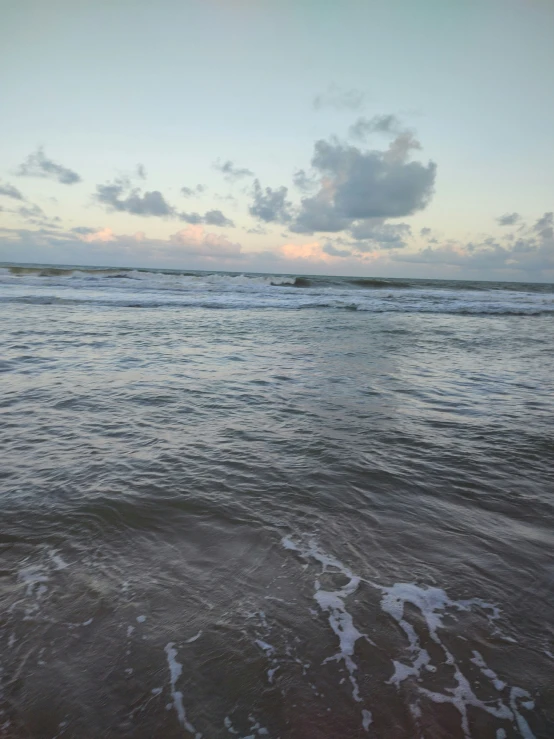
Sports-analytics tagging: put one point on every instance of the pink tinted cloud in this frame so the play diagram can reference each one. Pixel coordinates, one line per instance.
(310, 251)
(197, 241)
(191, 240)
(102, 234)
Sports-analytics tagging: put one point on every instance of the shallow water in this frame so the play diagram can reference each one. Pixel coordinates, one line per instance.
(241, 510)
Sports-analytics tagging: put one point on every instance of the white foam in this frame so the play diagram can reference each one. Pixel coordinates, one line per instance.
(433, 605)
(229, 726)
(267, 648)
(34, 578)
(332, 602)
(478, 660)
(60, 563)
(193, 638)
(522, 724)
(141, 619)
(175, 671)
(367, 719)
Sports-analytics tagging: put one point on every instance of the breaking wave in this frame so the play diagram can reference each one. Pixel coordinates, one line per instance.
(147, 288)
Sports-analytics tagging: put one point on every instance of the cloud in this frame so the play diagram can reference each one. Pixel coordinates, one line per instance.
(508, 219)
(96, 235)
(9, 191)
(34, 214)
(270, 206)
(401, 147)
(31, 211)
(192, 246)
(545, 226)
(119, 196)
(425, 232)
(310, 252)
(339, 98)
(334, 251)
(257, 230)
(188, 192)
(529, 256)
(194, 239)
(387, 123)
(216, 218)
(141, 172)
(359, 185)
(148, 204)
(38, 165)
(376, 233)
(211, 218)
(303, 181)
(83, 230)
(197, 241)
(403, 143)
(231, 172)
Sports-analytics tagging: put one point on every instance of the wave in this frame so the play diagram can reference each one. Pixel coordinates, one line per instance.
(175, 278)
(372, 284)
(246, 302)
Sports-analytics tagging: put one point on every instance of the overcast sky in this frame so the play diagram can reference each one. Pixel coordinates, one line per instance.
(394, 138)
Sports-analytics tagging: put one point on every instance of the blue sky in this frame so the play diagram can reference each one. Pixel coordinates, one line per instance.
(416, 126)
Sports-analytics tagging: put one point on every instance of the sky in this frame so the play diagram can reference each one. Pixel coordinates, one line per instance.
(386, 138)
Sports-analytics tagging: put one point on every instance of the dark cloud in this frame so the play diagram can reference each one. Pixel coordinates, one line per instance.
(119, 196)
(188, 192)
(38, 165)
(329, 248)
(339, 98)
(216, 218)
(83, 230)
(359, 185)
(31, 211)
(257, 230)
(115, 197)
(385, 235)
(363, 127)
(425, 231)
(508, 219)
(530, 256)
(141, 172)
(270, 205)
(303, 181)
(403, 142)
(192, 218)
(545, 226)
(402, 145)
(9, 191)
(210, 218)
(35, 215)
(231, 172)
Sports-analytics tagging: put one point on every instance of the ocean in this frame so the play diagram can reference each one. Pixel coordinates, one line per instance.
(275, 506)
